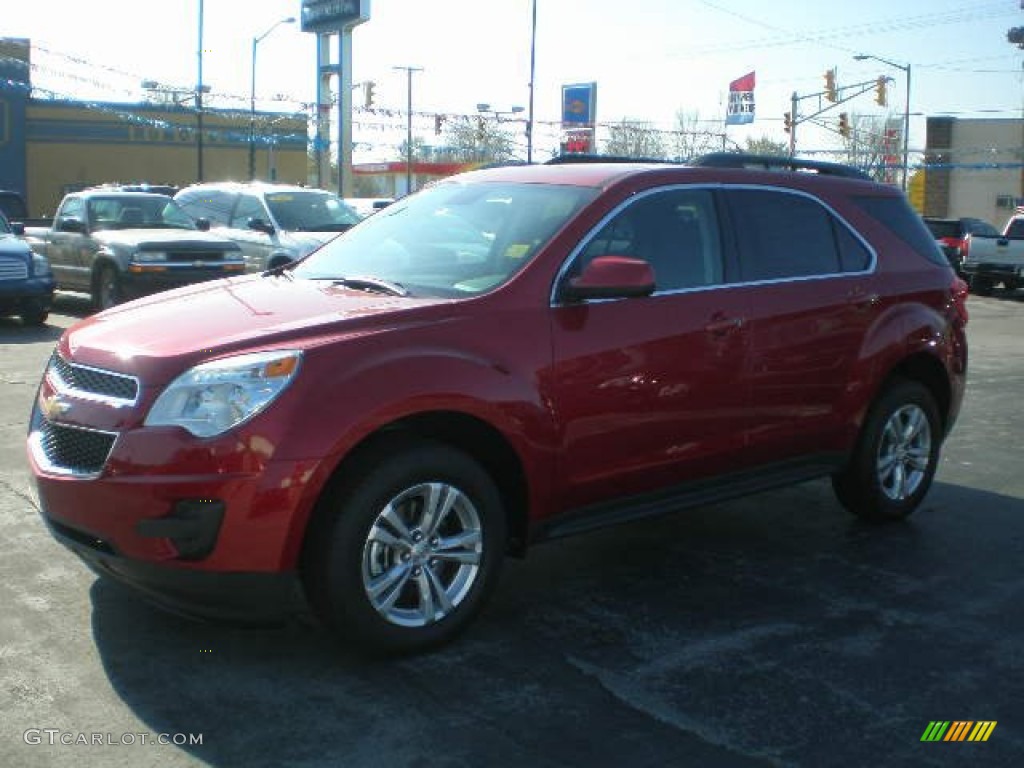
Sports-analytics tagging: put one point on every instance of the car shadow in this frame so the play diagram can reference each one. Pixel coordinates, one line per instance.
(677, 635)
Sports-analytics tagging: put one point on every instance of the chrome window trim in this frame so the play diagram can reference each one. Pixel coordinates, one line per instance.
(63, 388)
(586, 239)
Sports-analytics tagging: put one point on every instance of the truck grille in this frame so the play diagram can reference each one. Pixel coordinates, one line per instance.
(13, 270)
(92, 381)
(75, 450)
(190, 256)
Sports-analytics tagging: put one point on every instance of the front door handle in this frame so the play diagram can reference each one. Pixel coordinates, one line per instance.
(720, 326)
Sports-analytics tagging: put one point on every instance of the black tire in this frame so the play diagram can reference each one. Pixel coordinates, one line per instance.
(34, 314)
(889, 473)
(342, 562)
(106, 288)
(981, 285)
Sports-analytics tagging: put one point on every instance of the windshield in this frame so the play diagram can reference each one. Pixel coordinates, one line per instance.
(452, 239)
(137, 212)
(310, 211)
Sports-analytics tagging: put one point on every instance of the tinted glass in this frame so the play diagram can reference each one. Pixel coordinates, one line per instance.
(310, 211)
(782, 235)
(979, 227)
(943, 228)
(213, 205)
(1015, 229)
(141, 212)
(853, 255)
(895, 213)
(675, 231)
(452, 239)
(249, 207)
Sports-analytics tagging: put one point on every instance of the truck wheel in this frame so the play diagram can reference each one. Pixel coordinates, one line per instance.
(981, 285)
(34, 314)
(402, 558)
(1011, 285)
(106, 291)
(894, 461)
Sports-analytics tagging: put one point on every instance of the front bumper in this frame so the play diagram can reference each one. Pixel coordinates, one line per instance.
(236, 596)
(144, 280)
(19, 295)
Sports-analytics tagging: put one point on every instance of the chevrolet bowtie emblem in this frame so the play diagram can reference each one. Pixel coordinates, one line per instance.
(52, 406)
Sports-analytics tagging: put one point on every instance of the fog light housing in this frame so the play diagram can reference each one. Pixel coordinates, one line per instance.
(192, 527)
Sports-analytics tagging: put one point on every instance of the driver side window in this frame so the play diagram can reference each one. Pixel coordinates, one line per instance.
(248, 208)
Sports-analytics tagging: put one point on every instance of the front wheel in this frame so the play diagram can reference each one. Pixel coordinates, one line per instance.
(107, 291)
(403, 558)
(34, 314)
(892, 466)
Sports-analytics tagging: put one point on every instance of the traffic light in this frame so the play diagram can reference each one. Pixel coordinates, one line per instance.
(368, 85)
(830, 84)
(844, 124)
(787, 122)
(880, 95)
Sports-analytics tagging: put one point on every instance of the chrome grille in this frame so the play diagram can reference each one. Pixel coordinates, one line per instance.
(75, 450)
(13, 270)
(92, 381)
(191, 256)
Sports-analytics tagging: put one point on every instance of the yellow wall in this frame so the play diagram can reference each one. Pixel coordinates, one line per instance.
(75, 145)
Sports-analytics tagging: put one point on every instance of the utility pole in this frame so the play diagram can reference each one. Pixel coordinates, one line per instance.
(199, 101)
(533, 70)
(408, 126)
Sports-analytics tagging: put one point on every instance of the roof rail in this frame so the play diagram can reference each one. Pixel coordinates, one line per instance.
(577, 157)
(778, 163)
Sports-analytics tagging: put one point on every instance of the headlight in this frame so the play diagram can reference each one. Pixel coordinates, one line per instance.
(40, 265)
(213, 397)
(148, 256)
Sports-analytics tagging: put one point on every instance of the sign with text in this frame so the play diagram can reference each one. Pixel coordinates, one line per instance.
(579, 105)
(741, 101)
(326, 16)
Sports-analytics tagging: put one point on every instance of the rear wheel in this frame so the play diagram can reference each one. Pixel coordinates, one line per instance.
(981, 285)
(896, 455)
(404, 557)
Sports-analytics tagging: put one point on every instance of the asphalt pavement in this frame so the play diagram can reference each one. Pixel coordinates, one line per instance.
(772, 631)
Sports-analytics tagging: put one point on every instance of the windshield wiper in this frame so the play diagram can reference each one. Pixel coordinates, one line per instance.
(281, 270)
(371, 283)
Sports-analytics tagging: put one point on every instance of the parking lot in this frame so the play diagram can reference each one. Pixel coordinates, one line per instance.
(771, 631)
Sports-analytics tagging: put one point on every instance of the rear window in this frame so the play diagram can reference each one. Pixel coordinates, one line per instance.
(941, 228)
(13, 206)
(899, 218)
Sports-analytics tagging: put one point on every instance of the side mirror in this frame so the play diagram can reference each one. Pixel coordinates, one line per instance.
(260, 226)
(203, 224)
(18, 227)
(71, 224)
(611, 277)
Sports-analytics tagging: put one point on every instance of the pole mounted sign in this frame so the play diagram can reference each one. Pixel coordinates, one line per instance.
(327, 16)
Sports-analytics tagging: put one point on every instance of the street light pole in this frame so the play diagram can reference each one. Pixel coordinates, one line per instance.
(905, 68)
(408, 127)
(252, 97)
(533, 69)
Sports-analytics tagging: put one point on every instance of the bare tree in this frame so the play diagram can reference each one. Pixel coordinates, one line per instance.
(766, 146)
(689, 140)
(476, 140)
(635, 138)
(875, 146)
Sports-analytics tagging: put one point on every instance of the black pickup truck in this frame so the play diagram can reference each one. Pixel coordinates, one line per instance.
(118, 245)
(26, 282)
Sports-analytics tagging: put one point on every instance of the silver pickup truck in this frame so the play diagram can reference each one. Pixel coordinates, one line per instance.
(120, 245)
(995, 259)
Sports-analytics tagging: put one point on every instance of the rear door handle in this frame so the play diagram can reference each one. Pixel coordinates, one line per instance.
(863, 300)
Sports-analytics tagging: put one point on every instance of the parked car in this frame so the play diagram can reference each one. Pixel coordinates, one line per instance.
(120, 245)
(273, 223)
(26, 282)
(507, 356)
(953, 236)
(996, 257)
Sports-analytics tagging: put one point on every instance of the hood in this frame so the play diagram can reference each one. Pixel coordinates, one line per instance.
(159, 335)
(181, 238)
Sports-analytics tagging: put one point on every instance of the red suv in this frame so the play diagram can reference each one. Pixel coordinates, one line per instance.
(510, 355)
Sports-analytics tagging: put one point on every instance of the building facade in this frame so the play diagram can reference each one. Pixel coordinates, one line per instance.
(50, 147)
(974, 167)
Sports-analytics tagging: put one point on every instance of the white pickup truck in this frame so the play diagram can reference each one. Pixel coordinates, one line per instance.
(993, 259)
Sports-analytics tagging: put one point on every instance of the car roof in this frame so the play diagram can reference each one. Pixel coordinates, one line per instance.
(108, 192)
(259, 187)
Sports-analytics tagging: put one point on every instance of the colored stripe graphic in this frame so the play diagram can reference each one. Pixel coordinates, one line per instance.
(982, 730)
(935, 731)
(959, 730)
